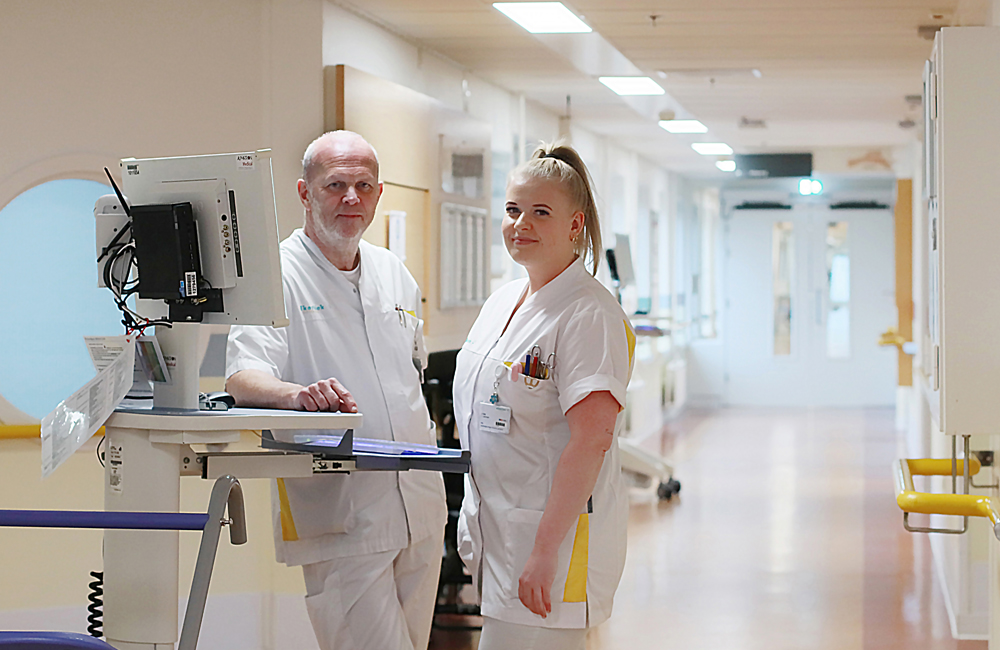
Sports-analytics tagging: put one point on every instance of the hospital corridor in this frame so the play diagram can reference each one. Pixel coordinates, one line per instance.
(793, 548)
(473, 325)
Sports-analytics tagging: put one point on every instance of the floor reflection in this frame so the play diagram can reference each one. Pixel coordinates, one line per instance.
(785, 535)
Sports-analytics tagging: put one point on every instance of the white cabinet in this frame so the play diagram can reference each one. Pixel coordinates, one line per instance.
(962, 189)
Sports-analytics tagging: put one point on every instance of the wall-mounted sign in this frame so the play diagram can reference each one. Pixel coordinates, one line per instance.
(773, 165)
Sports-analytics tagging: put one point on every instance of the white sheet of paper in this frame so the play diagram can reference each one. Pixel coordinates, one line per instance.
(104, 350)
(80, 415)
(397, 233)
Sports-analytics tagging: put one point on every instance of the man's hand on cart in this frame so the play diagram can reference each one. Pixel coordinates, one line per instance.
(324, 395)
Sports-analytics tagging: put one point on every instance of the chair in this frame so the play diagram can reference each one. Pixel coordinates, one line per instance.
(438, 379)
(226, 492)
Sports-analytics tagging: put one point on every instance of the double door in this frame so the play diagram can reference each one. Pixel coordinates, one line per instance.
(807, 292)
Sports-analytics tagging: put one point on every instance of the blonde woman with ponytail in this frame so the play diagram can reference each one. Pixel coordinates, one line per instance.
(539, 401)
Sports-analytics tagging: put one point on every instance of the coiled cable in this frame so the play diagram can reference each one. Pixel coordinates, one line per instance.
(96, 618)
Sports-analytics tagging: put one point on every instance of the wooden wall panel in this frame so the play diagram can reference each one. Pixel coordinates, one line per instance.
(904, 273)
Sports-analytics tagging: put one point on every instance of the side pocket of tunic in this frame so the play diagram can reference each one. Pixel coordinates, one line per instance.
(522, 527)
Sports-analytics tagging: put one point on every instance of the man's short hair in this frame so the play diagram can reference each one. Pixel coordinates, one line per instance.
(308, 158)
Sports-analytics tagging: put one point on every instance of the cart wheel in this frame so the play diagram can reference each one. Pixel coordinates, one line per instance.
(668, 489)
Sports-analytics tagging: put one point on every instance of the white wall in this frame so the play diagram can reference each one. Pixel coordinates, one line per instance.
(85, 84)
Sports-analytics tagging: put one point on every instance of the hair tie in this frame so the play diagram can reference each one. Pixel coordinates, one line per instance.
(549, 155)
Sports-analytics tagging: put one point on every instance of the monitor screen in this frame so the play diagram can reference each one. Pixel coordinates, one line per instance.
(623, 260)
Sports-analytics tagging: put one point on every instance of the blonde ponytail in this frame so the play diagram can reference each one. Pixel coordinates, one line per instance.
(561, 163)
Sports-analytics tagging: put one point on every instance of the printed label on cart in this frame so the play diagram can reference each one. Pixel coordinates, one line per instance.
(494, 418)
(114, 463)
(77, 418)
(244, 161)
(190, 284)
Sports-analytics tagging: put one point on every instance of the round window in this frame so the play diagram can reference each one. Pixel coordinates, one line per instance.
(49, 298)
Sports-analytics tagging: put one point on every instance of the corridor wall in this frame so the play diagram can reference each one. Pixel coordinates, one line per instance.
(86, 84)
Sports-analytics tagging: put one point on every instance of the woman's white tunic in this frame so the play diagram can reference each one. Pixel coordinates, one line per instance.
(575, 318)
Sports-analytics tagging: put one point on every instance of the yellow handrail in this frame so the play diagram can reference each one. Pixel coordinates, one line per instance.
(940, 466)
(27, 431)
(16, 431)
(891, 337)
(962, 505)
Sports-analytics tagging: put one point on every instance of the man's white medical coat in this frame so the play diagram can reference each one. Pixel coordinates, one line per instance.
(366, 337)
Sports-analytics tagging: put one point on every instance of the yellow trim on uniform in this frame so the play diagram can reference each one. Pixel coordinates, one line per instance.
(576, 578)
(288, 532)
(630, 335)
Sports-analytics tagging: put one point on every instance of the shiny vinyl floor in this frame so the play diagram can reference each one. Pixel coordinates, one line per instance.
(785, 536)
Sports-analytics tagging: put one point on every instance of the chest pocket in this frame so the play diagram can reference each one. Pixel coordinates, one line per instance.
(534, 403)
(397, 331)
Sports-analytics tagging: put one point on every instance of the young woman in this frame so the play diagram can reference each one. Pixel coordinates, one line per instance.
(539, 401)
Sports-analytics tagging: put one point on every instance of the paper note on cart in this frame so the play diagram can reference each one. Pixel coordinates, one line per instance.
(80, 415)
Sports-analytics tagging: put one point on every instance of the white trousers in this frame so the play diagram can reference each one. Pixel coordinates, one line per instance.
(501, 635)
(381, 601)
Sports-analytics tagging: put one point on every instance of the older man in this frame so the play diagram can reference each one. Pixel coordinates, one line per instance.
(369, 543)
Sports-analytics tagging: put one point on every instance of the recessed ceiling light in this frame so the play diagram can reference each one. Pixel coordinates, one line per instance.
(726, 165)
(712, 148)
(683, 126)
(543, 17)
(632, 85)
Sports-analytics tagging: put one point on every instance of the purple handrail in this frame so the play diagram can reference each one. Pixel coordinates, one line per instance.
(106, 520)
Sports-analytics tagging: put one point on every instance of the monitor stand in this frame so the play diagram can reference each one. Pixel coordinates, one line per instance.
(180, 350)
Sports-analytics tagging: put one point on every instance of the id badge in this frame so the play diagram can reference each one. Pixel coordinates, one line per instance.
(494, 418)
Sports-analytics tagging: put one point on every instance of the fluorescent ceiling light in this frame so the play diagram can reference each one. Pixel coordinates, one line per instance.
(712, 148)
(632, 85)
(726, 165)
(543, 17)
(683, 126)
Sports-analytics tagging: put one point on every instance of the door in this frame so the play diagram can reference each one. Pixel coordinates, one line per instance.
(808, 291)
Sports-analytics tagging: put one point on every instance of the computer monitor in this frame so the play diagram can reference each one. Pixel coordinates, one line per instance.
(620, 261)
(206, 236)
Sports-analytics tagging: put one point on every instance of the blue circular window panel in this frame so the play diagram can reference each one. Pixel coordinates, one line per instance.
(49, 298)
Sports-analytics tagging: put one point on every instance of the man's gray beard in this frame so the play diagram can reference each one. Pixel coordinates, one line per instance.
(328, 236)
(331, 239)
